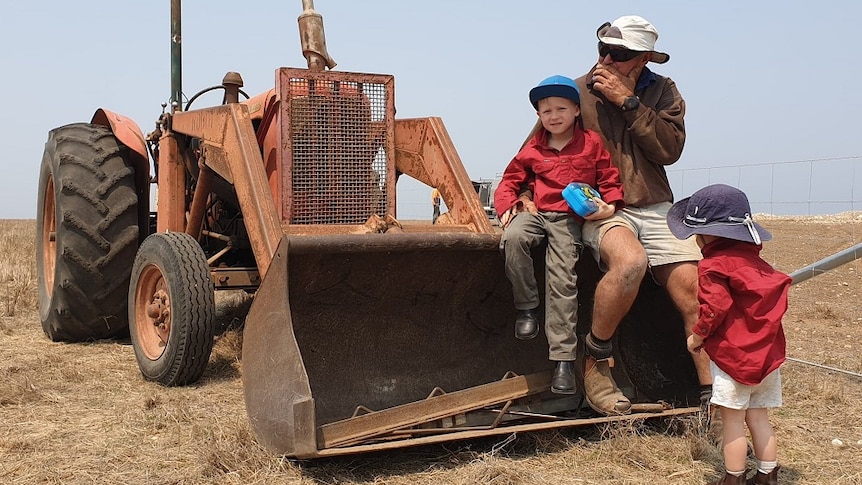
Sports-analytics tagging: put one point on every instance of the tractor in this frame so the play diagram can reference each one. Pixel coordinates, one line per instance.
(360, 331)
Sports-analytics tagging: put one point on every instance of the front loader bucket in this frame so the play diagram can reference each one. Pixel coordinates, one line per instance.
(387, 338)
(376, 321)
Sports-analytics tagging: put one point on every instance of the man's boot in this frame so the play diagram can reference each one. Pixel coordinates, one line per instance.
(761, 478)
(729, 479)
(526, 324)
(600, 389)
(564, 378)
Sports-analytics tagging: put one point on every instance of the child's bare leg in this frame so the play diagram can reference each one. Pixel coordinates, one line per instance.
(762, 435)
(735, 444)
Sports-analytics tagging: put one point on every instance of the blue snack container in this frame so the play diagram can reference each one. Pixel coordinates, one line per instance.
(580, 197)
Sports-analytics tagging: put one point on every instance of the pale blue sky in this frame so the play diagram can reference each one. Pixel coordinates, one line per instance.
(765, 81)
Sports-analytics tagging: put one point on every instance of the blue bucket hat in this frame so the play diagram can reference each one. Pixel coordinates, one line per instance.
(555, 86)
(716, 210)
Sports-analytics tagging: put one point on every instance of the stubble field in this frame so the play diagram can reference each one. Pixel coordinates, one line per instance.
(81, 413)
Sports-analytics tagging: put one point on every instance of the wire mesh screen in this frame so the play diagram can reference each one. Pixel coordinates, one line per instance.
(338, 146)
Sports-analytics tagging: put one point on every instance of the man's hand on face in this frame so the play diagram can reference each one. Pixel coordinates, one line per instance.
(615, 86)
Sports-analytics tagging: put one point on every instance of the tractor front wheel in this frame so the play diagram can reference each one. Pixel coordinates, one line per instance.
(171, 309)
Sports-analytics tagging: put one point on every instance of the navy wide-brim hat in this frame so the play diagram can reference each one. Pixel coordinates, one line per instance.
(555, 86)
(716, 210)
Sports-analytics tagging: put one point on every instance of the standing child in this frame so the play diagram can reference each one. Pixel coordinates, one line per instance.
(435, 203)
(559, 154)
(742, 301)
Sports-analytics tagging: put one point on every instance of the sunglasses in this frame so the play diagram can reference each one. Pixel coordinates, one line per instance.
(618, 55)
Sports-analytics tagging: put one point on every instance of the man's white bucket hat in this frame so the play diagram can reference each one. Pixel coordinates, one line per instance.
(634, 33)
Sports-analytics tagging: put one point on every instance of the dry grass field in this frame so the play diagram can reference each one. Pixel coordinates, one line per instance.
(81, 413)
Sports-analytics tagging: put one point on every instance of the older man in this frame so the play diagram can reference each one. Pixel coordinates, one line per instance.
(639, 115)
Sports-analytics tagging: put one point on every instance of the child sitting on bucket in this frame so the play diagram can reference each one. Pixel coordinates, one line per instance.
(742, 300)
(561, 153)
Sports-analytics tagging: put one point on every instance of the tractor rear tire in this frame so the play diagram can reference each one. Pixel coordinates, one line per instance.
(171, 309)
(87, 233)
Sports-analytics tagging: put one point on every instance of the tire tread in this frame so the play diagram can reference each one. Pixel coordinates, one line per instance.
(97, 233)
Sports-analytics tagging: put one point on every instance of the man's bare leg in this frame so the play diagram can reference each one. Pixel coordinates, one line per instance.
(680, 281)
(615, 293)
(617, 289)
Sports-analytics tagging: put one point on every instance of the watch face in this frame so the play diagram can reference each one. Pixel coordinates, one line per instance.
(631, 103)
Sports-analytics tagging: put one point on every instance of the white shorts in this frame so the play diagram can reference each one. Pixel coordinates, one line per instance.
(731, 394)
(649, 225)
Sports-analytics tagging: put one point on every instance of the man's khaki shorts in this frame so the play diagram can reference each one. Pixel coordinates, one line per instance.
(649, 225)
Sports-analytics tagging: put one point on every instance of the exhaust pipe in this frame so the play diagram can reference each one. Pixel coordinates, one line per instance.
(312, 38)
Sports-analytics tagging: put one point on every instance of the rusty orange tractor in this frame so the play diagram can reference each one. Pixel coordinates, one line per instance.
(361, 332)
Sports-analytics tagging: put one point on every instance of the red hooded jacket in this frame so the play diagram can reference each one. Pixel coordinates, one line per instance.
(742, 300)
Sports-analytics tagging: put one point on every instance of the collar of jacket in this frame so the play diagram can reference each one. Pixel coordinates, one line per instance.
(726, 244)
(646, 78)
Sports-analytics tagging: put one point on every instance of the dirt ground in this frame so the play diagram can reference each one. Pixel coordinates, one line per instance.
(81, 413)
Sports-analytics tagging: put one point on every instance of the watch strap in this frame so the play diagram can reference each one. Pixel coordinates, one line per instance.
(631, 103)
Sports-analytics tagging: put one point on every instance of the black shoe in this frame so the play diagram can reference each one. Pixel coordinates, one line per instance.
(564, 378)
(526, 324)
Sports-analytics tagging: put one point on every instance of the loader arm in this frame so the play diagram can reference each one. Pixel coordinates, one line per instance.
(229, 148)
(425, 152)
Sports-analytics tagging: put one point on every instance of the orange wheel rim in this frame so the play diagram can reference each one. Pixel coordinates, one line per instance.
(49, 237)
(152, 312)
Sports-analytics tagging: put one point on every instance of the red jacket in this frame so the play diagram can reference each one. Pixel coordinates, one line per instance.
(584, 159)
(742, 300)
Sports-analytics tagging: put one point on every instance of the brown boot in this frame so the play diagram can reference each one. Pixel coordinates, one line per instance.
(729, 479)
(761, 478)
(600, 389)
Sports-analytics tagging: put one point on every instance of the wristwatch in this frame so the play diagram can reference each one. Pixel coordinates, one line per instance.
(630, 104)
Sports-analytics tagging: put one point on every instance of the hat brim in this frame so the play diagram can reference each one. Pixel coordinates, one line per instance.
(677, 225)
(656, 56)
(553, 90)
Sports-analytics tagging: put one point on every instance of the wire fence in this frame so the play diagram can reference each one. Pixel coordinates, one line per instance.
(802, 187)
(814, 208)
